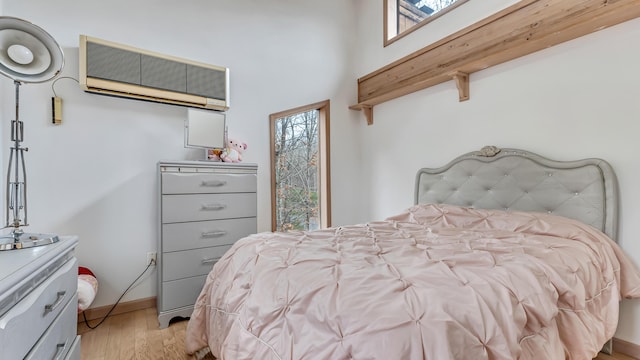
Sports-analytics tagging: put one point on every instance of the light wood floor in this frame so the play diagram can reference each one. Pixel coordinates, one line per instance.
(135, 335)
(615, 356)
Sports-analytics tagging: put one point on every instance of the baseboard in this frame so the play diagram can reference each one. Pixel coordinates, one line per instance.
(121, 308)
(626, 348)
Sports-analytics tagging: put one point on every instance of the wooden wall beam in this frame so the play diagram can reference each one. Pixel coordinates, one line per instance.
(523, 28)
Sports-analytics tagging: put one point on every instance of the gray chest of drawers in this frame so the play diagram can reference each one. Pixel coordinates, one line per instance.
(38, 302)
(204, 208)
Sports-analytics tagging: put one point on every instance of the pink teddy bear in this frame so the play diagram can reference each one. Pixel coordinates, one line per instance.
(233, 151)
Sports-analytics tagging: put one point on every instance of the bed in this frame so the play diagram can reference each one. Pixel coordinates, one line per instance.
(504, 255)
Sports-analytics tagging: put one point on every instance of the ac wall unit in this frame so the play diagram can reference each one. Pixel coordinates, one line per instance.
(114, 69)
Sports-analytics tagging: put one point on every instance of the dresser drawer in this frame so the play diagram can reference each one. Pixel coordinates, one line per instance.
(74, 352)
(36, 311)
(198, 183)
(181, 293)
(188, 263)
(201, 234)
(59, 338)
(197, 207)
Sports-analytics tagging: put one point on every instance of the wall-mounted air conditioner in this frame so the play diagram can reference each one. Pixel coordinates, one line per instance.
(114, 69)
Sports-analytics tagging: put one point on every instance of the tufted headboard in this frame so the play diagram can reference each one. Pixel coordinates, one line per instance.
(512, 179)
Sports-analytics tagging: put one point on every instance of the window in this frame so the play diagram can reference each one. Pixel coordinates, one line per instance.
(404, 16)
(300, 181)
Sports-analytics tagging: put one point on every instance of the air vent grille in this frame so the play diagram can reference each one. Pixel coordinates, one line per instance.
(108, 63)
(207, 83)
(115, 65)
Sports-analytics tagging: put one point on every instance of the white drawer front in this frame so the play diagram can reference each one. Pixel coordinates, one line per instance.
(196, 207)
(182, 264)
(58, 340)
(34, 313)
(180, 293)
(201, 234)
(185, 183)
(74, 352)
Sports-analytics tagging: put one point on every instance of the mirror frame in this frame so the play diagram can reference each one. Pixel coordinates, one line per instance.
(200, 122)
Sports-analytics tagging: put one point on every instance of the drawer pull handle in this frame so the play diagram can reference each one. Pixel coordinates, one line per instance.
(213, 234)
(209, 260)
(60, 350)
(214, 183)
(209, 207)
(50, 307)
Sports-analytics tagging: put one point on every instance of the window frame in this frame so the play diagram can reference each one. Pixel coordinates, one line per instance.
(324, 168)
(390, 20)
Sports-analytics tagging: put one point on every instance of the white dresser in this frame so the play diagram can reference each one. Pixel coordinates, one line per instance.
(205, 207)
(39, 302)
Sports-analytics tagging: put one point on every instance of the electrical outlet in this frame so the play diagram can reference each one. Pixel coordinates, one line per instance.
(151, 258)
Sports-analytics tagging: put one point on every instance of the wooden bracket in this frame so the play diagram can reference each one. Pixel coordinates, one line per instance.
(462, 82)
(366, 109)
(368, 113)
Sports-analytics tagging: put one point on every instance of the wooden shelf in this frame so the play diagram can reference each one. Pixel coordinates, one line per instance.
(523, 28)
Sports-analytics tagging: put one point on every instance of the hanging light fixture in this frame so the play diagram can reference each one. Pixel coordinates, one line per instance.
(28, 54)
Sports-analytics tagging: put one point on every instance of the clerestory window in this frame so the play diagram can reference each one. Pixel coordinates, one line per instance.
(401, 17)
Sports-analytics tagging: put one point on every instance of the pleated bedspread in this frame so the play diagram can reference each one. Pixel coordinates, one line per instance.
(434, 282)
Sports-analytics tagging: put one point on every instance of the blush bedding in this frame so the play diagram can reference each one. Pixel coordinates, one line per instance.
(434, 282)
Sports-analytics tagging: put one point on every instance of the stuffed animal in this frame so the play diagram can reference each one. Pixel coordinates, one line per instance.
(214, 154)
(87, 288)
(233, 151)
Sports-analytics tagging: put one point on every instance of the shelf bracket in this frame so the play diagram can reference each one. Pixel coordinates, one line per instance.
(366, 109)
(368, 113)
(462, 82)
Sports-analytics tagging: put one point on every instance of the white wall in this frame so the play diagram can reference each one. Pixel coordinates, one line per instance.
(575, 100)
(95, 175)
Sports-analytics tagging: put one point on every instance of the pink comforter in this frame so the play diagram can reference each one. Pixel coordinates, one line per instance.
(435, 282)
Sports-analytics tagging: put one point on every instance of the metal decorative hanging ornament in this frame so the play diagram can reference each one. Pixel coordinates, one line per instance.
(28, 54)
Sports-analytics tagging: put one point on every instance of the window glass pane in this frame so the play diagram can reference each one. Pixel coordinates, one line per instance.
(405, 15)
(296, 172)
